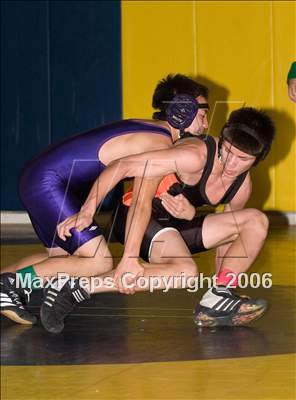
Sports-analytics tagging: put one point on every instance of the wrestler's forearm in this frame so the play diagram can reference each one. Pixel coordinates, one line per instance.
(105, 182)
(139, 215)
(114, 173)
(137, 222)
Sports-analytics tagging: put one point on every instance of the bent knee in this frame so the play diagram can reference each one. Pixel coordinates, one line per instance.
(97, 255)
(257, 221)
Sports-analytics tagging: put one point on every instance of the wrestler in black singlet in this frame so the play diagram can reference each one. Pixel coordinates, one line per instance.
(191, 231)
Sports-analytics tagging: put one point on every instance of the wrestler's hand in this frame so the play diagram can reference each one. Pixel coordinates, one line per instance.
(79, 221)
(292, 89)
(178, 206)
(126, 273)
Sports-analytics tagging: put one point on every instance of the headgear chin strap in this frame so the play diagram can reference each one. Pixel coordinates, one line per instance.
(249, 131)
(182, 110)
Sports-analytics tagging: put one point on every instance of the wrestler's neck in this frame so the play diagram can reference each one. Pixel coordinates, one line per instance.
(219, 167)
(175, 133)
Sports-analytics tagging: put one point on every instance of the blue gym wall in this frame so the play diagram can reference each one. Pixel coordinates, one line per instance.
(60, 74)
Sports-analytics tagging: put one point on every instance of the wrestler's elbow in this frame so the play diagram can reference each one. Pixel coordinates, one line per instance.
(118, 169)
(134, 170)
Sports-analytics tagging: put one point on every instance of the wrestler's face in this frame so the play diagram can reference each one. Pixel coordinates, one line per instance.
(200, 122)
(235, 161)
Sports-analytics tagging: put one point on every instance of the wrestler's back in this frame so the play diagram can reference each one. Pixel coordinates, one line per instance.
(77, 158)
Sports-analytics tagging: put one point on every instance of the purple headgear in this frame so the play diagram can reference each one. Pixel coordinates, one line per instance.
(182, 110)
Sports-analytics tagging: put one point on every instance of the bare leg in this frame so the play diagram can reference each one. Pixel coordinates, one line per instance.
(170, 258)
(164, 263)
(240, 234)
(90, 259)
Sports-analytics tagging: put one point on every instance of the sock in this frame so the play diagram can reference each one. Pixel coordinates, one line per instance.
(227, 277)
(28, 278)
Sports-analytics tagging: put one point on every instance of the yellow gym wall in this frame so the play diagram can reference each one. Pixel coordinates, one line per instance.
(241, 50)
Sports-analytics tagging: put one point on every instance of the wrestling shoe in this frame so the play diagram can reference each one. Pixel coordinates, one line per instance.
(60, 299)
(11, 305)
(220, 306)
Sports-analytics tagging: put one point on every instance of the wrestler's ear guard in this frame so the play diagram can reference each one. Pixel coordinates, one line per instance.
(182, 110)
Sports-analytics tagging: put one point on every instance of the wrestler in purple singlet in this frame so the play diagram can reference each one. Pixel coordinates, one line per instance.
(54, 185)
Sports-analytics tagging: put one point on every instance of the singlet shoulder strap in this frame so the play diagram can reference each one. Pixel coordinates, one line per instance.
(233, 189)
(211, 151)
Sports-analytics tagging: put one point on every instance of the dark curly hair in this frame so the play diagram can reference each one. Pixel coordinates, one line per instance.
(168, 87)
(250, 130)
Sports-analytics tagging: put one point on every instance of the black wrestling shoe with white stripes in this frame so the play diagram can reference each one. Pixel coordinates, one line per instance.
(220, 306)
(60, 299)
(11, 304)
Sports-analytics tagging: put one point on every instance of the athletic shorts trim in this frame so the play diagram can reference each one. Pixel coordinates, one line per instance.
(190, 231)
(156, 236)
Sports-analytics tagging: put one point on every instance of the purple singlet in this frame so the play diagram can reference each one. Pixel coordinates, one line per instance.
(54, 185)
